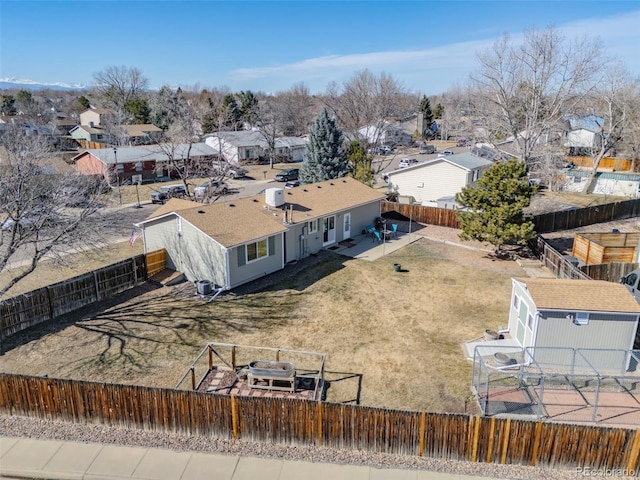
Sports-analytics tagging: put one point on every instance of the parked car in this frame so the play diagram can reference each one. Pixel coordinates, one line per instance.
(287, 175)
(427, 149)
(407, 162)
(208, 189)
(384, 149)
(461, 143)
(229, 170)
(36, 219)
(169, 191)
(292, 184)
(447, 152)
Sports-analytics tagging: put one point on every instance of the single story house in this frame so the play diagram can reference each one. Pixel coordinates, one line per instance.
(607, 183)
(441, 177)
(119, 165)
(234, 242)
(574, 314)
(250, 145)
(97, 126)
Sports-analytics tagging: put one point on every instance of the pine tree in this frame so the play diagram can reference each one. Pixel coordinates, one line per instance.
(359, 163)
(324, 158)
(494, 207)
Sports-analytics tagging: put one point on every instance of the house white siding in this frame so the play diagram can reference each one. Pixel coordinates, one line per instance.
(522, 316)
(428, 183)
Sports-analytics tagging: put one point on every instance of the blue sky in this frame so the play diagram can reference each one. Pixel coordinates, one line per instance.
(271, 45)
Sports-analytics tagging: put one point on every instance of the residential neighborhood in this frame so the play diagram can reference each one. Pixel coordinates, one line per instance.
(365, 274)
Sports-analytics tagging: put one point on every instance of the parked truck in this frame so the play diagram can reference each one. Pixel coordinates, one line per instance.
(631, 280)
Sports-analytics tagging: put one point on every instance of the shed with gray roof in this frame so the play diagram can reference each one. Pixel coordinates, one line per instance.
(554, 314)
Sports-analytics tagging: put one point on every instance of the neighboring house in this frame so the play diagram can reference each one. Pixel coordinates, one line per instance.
(571, 314)
(607, 183)
(434, 179)
(97, 126)
(234, 242)
(152, 162)
(250, 145)
(385, 133)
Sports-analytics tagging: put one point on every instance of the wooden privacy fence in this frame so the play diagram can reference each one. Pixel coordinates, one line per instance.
(555, 261)
(23, 311)
(300, 422)
(418, 213)
(611, 272)
(544, 223)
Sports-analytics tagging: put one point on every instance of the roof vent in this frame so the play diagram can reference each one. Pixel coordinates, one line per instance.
(200, 211)
(330, 183)
(255, 200)
(318, 186)
(305, 190)
(289, 193)
(232, 204)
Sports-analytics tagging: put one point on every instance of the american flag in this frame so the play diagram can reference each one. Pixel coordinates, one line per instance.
(134, 236)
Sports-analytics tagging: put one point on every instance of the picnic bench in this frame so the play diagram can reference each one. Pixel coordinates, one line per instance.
(275, 375)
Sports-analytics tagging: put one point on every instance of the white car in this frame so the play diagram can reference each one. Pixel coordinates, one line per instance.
(407, 162)
(209, 189)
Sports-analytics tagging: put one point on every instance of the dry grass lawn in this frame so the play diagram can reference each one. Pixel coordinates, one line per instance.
(401, 331)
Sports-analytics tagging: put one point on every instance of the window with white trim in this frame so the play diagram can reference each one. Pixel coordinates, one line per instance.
(313, 226)
(581, 318)
(257, 250)
(530, 321)
(138, 166)
(516, 303)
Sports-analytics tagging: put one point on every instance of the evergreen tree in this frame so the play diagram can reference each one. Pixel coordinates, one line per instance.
(83, 103)
(7, 105)
(359, 163)
(139, 111)
(324, 158)
(427, 114)
(494, 206)
(248, 106)
(230, 112)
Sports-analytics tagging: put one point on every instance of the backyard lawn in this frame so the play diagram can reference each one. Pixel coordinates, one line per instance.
(400, 332)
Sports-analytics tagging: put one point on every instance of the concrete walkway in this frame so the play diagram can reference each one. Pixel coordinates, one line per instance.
(52, 459)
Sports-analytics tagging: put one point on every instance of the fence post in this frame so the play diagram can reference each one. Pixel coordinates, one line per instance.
(95, 280)
(210, 358)
(492, 429)
(476, 431)
(536, 443)
(633, 454)
(320, 423)
(505, 441)
(234, 417)
(135, 271)
(233, 357)
(423, 423)
(193, 378)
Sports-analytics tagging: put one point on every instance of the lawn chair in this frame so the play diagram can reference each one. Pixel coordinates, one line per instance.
(377, 236)
(370, 229)
(394, 230)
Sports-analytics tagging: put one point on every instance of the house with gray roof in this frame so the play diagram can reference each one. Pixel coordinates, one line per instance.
(119, 165)
(251, 145)
(442, 177)
(550, 315)
(234, 242)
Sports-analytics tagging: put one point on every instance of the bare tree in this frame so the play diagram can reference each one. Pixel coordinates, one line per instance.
(522, 91)
(614, 103)
(297, 106)
(119, 85)
(369, 101)
(41, 213)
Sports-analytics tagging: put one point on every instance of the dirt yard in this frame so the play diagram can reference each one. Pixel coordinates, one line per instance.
(399, 332)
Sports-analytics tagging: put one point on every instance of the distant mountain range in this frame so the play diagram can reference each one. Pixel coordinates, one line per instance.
(21, 84)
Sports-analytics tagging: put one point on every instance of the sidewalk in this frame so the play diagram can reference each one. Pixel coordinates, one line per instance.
(52, 459)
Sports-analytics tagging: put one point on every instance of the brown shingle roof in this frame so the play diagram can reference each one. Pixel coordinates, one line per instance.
(580, 295)
(242, 220)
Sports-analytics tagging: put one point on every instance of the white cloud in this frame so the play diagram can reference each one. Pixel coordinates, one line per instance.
(441, 66)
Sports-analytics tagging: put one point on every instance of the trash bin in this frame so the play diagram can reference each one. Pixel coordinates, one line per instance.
(203, 287)
(396, 267)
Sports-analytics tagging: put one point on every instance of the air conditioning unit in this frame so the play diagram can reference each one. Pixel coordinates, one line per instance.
(274, 197)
